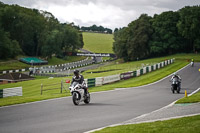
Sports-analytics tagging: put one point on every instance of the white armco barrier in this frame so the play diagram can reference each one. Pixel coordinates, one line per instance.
(17, 91)
(138, 73)
(86, 82)
(110, 79)
(99, 81)
(154, 67)
(162, 64)
(149, 68)
(144, 70)
(165, 62)
(158, 65)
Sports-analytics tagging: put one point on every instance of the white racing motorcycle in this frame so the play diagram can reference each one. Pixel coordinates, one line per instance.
(78, 94)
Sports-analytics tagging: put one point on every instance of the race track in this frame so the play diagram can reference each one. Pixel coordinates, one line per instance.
(106, 108)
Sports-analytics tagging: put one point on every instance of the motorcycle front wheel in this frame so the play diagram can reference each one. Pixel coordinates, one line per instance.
(172, 88)
(75, 98)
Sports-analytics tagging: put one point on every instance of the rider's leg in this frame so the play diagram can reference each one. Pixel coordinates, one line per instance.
(179, 85)
(85, 90)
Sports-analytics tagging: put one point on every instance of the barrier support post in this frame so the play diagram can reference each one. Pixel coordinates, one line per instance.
(41, 88)
(61, 86)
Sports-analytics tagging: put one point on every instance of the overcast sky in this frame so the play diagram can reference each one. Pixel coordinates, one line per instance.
(108, 13)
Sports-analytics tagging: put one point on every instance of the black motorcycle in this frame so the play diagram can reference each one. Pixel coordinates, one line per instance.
(175, 85)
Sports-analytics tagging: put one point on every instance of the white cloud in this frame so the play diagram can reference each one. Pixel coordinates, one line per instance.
(111, 14)
(89, 14)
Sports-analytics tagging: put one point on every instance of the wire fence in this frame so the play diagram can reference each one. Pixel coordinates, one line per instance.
(62, 86)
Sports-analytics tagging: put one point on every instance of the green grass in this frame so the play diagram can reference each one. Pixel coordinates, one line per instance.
(31, 89)
(56, 61)
(181, 125)
(118, 67)
(15, 64)
(12, 65)
(144, 79)
(191, 99)
(98, 42)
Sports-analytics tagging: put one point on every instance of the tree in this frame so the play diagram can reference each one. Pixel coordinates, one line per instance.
(166, 39)
(8, 48)
(52, 44)
(132, 42)
(116, 29)
(72, 40)
(188, 25)
(120, 43)
(140, 32)
(95, 28)
(36, 32)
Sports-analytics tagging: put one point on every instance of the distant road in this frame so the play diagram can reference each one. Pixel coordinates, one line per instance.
(106, 108)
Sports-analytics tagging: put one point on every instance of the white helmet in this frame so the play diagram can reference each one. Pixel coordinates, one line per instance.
(175, 74)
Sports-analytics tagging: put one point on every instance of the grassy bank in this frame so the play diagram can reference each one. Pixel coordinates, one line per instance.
(56, 61)
(181, 125)
(31, 89)
(118, 67)
(15, 64)
(144, 79)
(192, 99)
(98, 42)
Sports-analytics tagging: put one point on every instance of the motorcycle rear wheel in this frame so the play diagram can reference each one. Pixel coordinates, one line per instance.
(172, 89)
(178, 90)
(87, 100)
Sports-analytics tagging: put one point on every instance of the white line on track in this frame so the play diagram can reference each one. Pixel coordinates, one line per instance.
(141, 116)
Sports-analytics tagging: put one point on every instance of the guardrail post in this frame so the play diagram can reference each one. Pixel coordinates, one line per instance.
(1, 93)
(61, 86)
(41, 88)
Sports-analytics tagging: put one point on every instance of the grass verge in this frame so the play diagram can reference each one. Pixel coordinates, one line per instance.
(98, 42)
(181, 125)
(31, 89)
(56, 61)
(144, 79)
(15, 64)
(191, 99)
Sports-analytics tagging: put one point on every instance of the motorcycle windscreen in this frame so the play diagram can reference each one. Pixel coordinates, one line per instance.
(74, 84)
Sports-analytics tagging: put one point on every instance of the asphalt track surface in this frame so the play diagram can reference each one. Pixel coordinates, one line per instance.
(106, 108)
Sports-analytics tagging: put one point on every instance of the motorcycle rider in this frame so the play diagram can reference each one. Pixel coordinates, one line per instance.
(192, 62)
(175, 75)
(80, 79)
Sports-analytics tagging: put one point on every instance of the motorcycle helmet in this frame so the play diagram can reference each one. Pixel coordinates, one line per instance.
(76, 72)
(175, 74)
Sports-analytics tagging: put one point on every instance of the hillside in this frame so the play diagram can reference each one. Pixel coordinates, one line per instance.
(98, 42)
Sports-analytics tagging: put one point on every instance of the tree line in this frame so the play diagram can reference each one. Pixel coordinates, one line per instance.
(95, 28)
(164, 34)
(34, 32)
